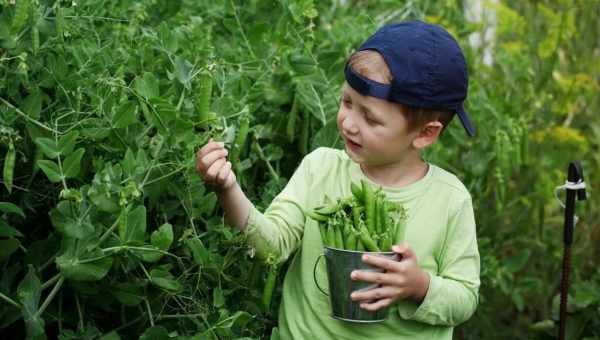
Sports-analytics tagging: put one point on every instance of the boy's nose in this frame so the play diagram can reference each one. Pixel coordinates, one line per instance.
(349, 125)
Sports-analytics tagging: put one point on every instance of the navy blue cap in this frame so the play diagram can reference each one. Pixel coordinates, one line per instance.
(428, 69)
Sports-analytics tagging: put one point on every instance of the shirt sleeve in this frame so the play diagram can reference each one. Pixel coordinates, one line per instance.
(278, 231)
(452, 296)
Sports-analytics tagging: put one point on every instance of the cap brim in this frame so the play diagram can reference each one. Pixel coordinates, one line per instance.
(466, 121)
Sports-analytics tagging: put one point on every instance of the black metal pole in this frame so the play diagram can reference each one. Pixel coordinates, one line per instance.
(575, 175)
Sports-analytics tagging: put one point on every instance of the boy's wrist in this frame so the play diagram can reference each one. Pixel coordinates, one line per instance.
(422, 287)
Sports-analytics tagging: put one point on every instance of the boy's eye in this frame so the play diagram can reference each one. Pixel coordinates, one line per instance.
(370, 120)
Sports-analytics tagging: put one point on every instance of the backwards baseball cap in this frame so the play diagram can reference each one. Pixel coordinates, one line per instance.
(427, 66)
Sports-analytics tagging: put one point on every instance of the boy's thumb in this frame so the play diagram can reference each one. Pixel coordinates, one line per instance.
(403, 250)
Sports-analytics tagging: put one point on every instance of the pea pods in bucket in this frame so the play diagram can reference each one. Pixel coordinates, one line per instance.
(367, 222)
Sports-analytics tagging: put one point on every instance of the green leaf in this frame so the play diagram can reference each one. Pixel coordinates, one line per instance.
(32, 105)
(218, 297)
(72, 164)
(73, 269)
(147, 85)
(66, 143)
(183, 71)
(200, 255)
(129, 294)
(29, 293)
(8, 207)
(48, 147)
(111, 336)
(132, 227)
(155, 333)
(70, 221)
(7, 247)
(165, 110)
(239, 318)
(161, 239)
(164, 279)
(518, 261)
(50, 169)
(126, 115)
(8, 231)
(128, 163)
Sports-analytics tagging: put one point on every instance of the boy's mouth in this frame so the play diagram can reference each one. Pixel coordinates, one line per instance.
(352, 143)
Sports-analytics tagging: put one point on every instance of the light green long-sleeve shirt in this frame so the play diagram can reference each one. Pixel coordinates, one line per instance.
(440, 229)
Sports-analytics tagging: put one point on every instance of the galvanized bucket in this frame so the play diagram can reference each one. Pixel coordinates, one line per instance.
(340, 263)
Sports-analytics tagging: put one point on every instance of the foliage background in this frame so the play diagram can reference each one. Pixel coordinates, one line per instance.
(106, 231)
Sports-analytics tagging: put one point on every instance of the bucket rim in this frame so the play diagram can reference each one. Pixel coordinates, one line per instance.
(360, 252)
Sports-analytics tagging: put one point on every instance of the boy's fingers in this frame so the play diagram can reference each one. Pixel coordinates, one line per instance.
(230, 180)
(374, 277)
(403, 250)
(207, 161)
(213, 170)
(224, 173)
(377, 305)
(381, 262)
(374, 294)
(210, 146)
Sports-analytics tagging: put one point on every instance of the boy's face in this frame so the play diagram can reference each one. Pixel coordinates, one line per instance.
(374, 130)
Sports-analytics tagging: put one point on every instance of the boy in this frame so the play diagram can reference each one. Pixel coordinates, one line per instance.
(402, 88)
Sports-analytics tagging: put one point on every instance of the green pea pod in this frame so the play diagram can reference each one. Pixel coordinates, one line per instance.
(356, 216)
(330, 235)
(269, 288)
(350, 243)
(9, 166)
(357, 192)
(20, 15)
(304, 133)
(376, 215)
(339, 239)
(240, 140)
(386, 242)
(382, 215)
(326, 209)
(205, 83)
(359, 245)
(367, 241)
(369, 207)
(315, 216)
(291, 123)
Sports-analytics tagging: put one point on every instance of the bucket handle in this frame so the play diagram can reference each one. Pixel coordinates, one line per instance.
(315, 274)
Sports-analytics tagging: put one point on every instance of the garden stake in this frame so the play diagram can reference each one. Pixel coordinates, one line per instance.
(574, 184)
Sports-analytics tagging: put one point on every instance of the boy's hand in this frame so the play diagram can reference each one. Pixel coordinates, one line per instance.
(401, 279)
(213, 166)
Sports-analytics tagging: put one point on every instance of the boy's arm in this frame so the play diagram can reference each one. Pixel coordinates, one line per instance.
(236, 206)
(279, 230)
(452, 296)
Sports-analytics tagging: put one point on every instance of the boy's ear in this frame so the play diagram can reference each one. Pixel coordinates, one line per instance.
(428, 134)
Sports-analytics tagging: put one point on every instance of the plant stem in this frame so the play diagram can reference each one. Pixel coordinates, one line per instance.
(24, 115)
(9, 300)
(50, 297)
(106, 233)
(50, 281)
(151, 317)
(264, 158)
(79, 312)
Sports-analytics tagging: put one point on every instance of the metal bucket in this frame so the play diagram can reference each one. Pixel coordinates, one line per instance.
(340, 263)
